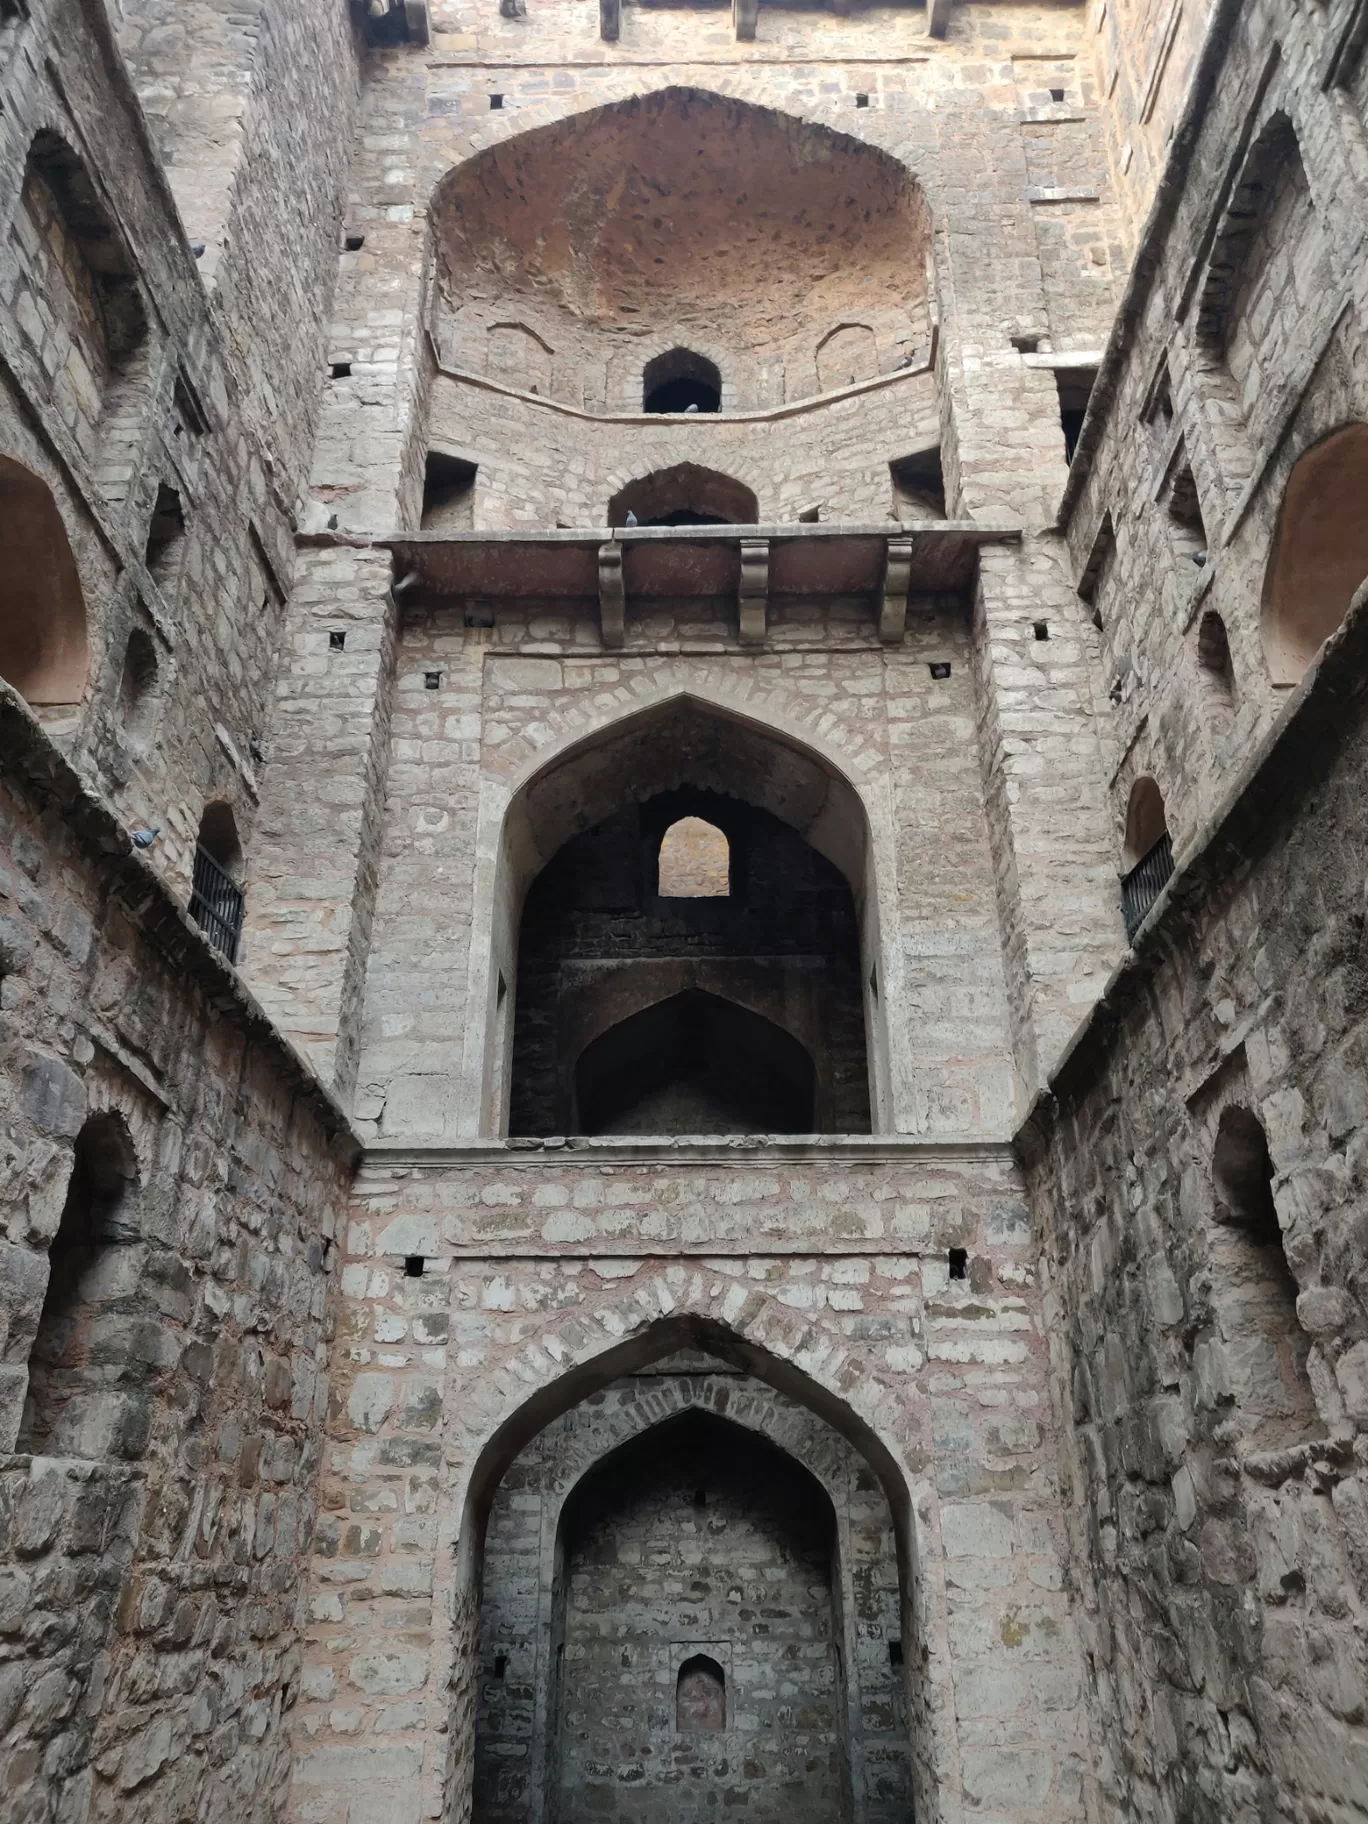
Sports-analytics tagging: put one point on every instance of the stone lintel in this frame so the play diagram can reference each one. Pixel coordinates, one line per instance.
(753, 593)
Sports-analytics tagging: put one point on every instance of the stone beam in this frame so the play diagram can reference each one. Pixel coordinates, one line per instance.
(418, 21)
(897, 580)
(612, 595)
(610, 20)
(753, 594)
(937, 18)
(744, 15)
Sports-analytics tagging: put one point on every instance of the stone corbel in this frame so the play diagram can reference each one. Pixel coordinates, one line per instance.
(753, 595)
(744, 15)
(937, 18)
(612, 596)
(610, 20)
(418, 21)
(896, 582)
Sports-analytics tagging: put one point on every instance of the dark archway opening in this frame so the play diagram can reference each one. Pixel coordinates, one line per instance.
(695, 1064)
(681, 381)
(639, 1011)
(684, 495)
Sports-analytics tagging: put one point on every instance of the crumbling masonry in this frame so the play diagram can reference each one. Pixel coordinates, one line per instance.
(683, 1033)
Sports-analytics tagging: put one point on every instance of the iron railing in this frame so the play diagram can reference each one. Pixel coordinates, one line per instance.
(1145, 882)
(216, 904)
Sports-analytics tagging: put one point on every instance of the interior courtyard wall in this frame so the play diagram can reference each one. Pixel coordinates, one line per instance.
(1243, 1685)
(151, 1573)
(497, 706)
(1159, 711)
(538, 1262)
(518, 1609)
(212, 613)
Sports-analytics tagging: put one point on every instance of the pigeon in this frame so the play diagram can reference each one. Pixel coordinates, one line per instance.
(692, 407)
(143, 839)
(631, 517)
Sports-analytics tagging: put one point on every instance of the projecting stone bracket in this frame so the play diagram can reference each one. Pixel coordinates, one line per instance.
(744, 16)
(612, 596)
(753, 594)
(937, 18)
(897, 579)
(610, 20)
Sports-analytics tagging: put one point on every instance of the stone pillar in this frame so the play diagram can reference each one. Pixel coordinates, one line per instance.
(1045, 789)
(311, 892)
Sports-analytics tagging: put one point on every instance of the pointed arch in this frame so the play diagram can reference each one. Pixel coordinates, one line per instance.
(587, 771)
(44, 645)
(684, 494)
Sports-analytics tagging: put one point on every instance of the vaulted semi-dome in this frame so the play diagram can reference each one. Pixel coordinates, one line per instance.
(681, 220)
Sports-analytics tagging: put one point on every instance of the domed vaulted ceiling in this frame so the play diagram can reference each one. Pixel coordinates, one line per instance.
(791, 257)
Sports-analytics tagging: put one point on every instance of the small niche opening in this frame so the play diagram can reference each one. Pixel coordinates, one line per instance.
(1056, 94)
(341, 370)
(959, 1263)
(1213, 656)
(432, 680)
(138, 686)
(695, 861)
(413, 1266)
(862, 101)
(895, 1654)
(679, 380)
(1074, 386)
(165, 537)
(1184, 507)
(500, 1665)
(353, 243)
(918, 485)
(939, 669)
(1027, 344)
(496, 102)
(448, 493)
(337, 640)
(700, 1696)
(1041, 630)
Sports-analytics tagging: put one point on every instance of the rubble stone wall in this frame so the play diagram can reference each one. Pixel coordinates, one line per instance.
(148, 1651)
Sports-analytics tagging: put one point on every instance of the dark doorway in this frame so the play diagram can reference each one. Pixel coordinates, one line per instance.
(679, 380)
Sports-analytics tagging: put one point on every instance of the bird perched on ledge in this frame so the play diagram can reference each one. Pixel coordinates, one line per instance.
(143, 839)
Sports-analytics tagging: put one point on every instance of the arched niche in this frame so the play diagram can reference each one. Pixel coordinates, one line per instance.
(695, 1063)
(680, 741)
(1146, 820)
(681, 381)
(1320, 551)
(44, 648)
(791, 1427)
(679, 215)
(684, 495)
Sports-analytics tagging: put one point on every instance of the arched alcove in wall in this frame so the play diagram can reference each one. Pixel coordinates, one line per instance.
(684, 495)
(699, 220)
(592, 943)
(44, 650)
(697, 1455)
(1320, 551)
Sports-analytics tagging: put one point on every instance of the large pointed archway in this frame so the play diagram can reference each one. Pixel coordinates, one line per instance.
(611, 791)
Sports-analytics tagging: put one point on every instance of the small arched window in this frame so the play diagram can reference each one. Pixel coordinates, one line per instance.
(1147, 853)
(71, 1408)
(216, 903)
(44, 651)
(700, 1696)
(138, 687)
(1213, 656)
(1320, 552)
(695, 861)
(680, 381)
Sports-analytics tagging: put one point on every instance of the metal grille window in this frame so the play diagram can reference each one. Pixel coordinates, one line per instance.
(1145, 882)
(216, 904)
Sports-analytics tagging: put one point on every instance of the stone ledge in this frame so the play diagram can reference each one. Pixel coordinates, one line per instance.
(686, 1150)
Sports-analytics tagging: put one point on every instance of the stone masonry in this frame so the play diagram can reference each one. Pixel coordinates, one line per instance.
(424, 1395)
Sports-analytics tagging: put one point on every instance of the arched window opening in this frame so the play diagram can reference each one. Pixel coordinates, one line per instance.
(44, 653)
(1148, 853)
(684, 495)
(1320, 552)
(1254, 1291)
(216, 901)
(138, 687)
(848, 354)
(74, 1405)
(695, 1064)
(165, 538)
(695, 861)
(700, 1696)
(680, 381)
(1213, 658)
